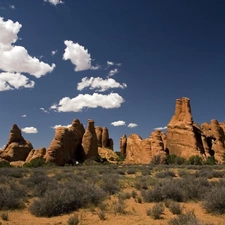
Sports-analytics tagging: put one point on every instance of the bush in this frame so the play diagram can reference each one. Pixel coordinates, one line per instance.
(156, 160)
(174, 159)
(156, 211)
(110, 183)
(5, 216)
(163, 174)
(73, 220)
(119, 207)
(131, 171)
(66, 198)
(188, 218)
(214, 200)
(153, 195)
(175, 207)
(4, 164)
(195, 160)
(35, 163)
(211, 161)
(102, 215)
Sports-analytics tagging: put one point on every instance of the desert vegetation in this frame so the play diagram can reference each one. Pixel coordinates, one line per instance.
(86, 194)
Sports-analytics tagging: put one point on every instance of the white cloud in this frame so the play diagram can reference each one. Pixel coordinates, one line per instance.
(44, 110)
(12, 6)
(54, 2)
(99, 84)
(118, 123)
(110, 63)
(113, 72)
(56, 126)
(54, 52)
(11, 81)
(78, 55)
(24, 116)
(132, 125)
(112, 100)
(16, 58)
(160, 128)
(30, 130)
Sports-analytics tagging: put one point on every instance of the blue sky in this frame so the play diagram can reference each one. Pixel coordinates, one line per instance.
(110, 61)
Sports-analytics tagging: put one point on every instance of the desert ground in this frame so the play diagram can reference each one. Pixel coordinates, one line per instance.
(113, 194)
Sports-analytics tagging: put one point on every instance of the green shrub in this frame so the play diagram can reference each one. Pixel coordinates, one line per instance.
(174, 159)
(195, 160)
(163, 174)
(156, 211)
(153, 195)
(4, 164)
(210, 161)
(110, 183)
(35, 163)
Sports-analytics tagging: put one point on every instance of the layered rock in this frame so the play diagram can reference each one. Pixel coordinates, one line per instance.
(184, 138)
(17, 148)
(36, 154)
(123, 144)
(103, 137)
(66, 145)
(89, 141)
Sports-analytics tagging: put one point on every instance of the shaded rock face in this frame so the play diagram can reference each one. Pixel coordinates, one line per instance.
(184, 138)
(214, 132)
(36, 154)
(66, 145)
(142, 151)
(103, 137)
(123, 144)
(90, 141)
(17, 148)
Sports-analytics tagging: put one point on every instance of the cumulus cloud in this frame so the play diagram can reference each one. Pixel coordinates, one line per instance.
(15, 59)
(54, 52)
(78, 55)
(24, 116)
(112, 100)
(160, 128)
(99, 84)
(109, 63)
(118, 123)
(11, 81)
(30, 130)
(132, 125)
(54, 2)
(56, 126)
(113, 72)
(44, 110)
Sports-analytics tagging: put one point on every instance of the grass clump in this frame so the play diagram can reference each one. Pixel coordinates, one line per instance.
(156, 211)
(5, 216)
(175, 208)
(73, 220)
(119, 207)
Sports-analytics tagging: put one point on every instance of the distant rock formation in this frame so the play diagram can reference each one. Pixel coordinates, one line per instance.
(184, 137)
(36, 154)
(142, 151)
(89, 141)
(123, 144)
(98, 131)
(17, 148)
(66, 145)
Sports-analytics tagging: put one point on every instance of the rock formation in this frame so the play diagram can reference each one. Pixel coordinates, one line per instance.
(215, 135)
(36, 154)
(98, 131)
(66, 145)
(123, 144)
(105, 137)
(89, 141)
(17, 148)
(184, 138)
(142, 151)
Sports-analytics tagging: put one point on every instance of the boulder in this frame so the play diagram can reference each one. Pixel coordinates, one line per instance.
(66, 145)
(17, 148)
(89, 141)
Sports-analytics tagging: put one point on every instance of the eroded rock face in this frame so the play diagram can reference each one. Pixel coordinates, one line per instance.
(105, 137)
(66, 145)
(183, 137)
(98, 131)
(17, 148)
(123, 144)
(215, 136)
(36, 154)
(89, 141)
